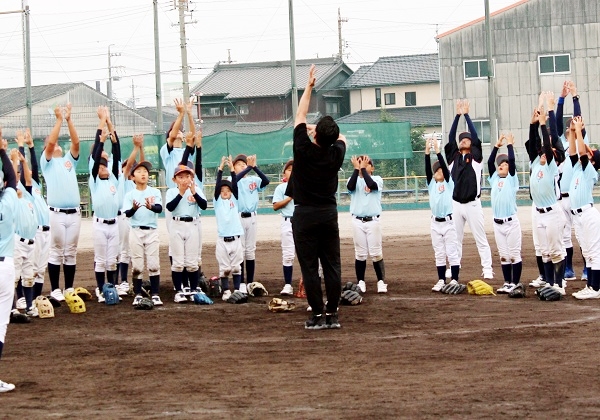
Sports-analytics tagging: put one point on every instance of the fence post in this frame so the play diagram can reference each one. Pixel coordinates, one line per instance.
(416, 189)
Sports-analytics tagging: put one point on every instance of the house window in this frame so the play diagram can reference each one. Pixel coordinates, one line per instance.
(377, 97)
(244, 110)
(229, 110)
(214, 111)
(483, 130)
(410, 99)
(476, 69)
(332, 109)
(555, 64)
(390, 98)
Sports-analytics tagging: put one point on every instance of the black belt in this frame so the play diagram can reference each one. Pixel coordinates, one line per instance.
(44, 228)
(581, 209)
(27, 241)
(106, 221)
(1, 259)
(230, 238)
(502, 221)
(144, 227)
(443, 219)
(287, 218)
(184, 218)
(543, 209)
(66, 211)
(245, 214)
(564, 194)
(119, 213)
(366, 218)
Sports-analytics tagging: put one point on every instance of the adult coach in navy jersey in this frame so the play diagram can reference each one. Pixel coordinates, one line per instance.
(315, 223)
(465, 163)
(62, 191)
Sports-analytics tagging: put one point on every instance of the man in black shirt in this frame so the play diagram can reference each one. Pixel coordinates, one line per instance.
(313, 185)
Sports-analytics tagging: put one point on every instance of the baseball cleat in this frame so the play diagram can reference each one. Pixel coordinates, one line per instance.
(539, 282)
(58, 295)
(287, 290)
(21, 303)
(362, 285)
(488, 274)
(503, 289)
(316, 322)
(180, 297)
(156, 300)
(332, 321)
(589, 294)
(6, 387)
(187, 291)
(561, 290)
(438, 286)
(381, 287)
(137, 300)
(243, 288)
(33, 312)
(226, 295)
(122, 288)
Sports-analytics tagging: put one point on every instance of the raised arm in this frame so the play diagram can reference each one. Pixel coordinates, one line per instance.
(492, 159)
(264, 181)
(72, 133)
(52, 140)
(546, 145)
(305, 99)
(351, 184)
(560, 108)
(176, 125)
(512, 165)
(198, 165)
(9, 173)
(116, 154)
(576, 104)
(372, 185)
(219, 177)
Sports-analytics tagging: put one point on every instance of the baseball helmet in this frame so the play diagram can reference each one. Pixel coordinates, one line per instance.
(44, 307)
(75, 303)
(111, 296)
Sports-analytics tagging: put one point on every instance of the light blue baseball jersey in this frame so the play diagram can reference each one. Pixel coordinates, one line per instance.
(8, 210)
(25, 221)
(143, 216)
(248, 189)
(279, 195)
(440, 197)
(124, 186)
(228, 219)
(105, 196)
(542, 183)
(62, 189)
(170, 162)
(504, 195)
(363, 201)
(187, 207)
(42, 213)
(582, 184)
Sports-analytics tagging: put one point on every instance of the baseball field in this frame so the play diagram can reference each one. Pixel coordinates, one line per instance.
(410, 353)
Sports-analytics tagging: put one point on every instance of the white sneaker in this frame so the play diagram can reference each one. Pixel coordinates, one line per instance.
(58, 295)
(453, 282)
(187, 291)
(381, 287)
(101, 298)
(137, 300)
(194, 292)
(226, 295)
(5, 386)
(448, 273)
(488, 274)
(21, 303)
(156, 300)
(561, 290)
(438, 286)
(287, 290)
(539, 282)
(503, 289)
(308, 308)
(590, 294)
(180, 297)
(362, 286)
(510, 287)
(33, 312)
(565, 284)
(243, 288)
(122, 288)
(580, 292)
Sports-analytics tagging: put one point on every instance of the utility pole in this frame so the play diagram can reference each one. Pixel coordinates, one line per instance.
(109, 89)
(158, 86)
(27, 61)
(185, 70)
(132, 94)
(340, 40)
(490, 75)
(293, 60)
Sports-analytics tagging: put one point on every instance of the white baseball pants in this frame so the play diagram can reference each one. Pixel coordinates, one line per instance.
(587, 226)
(508, 240)
(124, 228)
(550, 227)
(40, 254)
(472, 213)
(7, 293)
(249, 238)
(23, 261)
(367, 239)
(106, 245)
(144, 243)
(64, 237)
(288, 251)
(444, 242)
(230, 256)
(565, 205)
(183, 241)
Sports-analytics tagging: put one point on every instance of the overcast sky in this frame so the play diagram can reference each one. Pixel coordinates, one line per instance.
(70, 38)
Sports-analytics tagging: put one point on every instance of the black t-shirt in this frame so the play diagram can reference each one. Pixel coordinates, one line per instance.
(314, 180)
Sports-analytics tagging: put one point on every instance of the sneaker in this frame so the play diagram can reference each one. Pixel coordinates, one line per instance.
(194, 293)
(58, 295)
(156, 300)
(381, 287)
(137, 300)
(226, 295)
(539, 282)
(453, 282)
(287, 290)
(308, 308)
(569, 274)
(561, 290)
(590, 294)
(243, 288)
(503, 289)
(5, 386)
(488, 274)
(69, 290)
(316, 322)
(331, 321)
(187, 291)
(21, 303)
(438, 286)
(581, 292)
(565, 284)
(33, 312)
(510, 287)
(362, 286)
(123, 289)
(180, 297)
(101, 298)
(584, 274)
(448, 273)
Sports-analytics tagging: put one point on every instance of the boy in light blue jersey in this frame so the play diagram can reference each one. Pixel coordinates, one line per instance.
(229, 251)
(365, 208)
(444, 238)
(144, 204)
(507, 228)
(8, 210)
(248, 189)
(285, 206)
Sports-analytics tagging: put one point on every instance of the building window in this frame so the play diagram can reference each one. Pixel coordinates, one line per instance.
(555, 64)
(377, 97)
(476, 69)
(390, 98)
(410, 99)
(566, 120)
(229, 110)
(214, 111)
(244, 110)
(483, 130)
(332, 109)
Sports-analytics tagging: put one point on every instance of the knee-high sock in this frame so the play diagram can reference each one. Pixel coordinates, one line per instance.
(225, 283)
(507, 273)
(177, 283)
(185, 278)
(124, 269)
(54, 274)
(549, 270)
(237, 280)
(595, 279)
(517, 268)
(155, 284)
(250, 266)
(455, 270)
(540, 264)
(360, 267)
(243, 270)
(288, 273)
(569, 261)
(193, 277)
(1, 346)
(19, 289)
(441, 271)
(559, 272)
(37, 289)
(69, 271)
(99, 280)
(112, 276)
(379, 267)
(137, 286)
(28, 292)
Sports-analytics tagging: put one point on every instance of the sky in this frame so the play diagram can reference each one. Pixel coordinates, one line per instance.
(70, 39)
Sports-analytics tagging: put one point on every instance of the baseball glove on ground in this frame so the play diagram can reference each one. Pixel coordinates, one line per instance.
(145, 304)
(83, 293)
(19, 318)
(548, 293)
(146, 288)
(202, 299)
(203, 283)
(351, 297)
(453, 288)
(214, 288)
(257, 289)
(280, 305)
(238, 297)
(479, 287)
(351, 286)
(518, 291)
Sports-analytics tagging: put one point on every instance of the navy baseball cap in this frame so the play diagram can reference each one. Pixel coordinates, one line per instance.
(144, 163)
(436, 166)
(464, 135)
(184, 168)
(226, 183)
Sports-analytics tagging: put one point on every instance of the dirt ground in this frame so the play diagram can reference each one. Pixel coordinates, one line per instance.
(408, 354)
